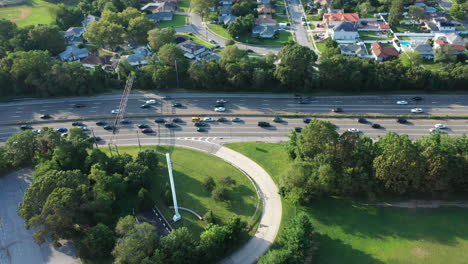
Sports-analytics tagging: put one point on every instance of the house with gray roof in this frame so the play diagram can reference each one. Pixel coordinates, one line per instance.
(225, 10)
(74, 35)
(138, 58)
(160, 16)
(353, 49)
(343, 31)
(88, 19)
(264, 31)
(424, 49)
(73, 53)
(226, 20)
(191, 49)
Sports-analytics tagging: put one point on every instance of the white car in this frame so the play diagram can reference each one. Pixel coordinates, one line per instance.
(440, 126)
(115, 111)
(208, 119)
(417, 110)
(353, 130)
(221, 101)
(432, 130)
(220, 109)
(151, 102)
(402, 102)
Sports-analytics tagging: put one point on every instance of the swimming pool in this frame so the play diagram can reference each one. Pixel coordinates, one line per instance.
(405, 43)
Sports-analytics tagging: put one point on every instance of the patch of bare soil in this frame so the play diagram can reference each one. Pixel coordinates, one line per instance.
(24, 14)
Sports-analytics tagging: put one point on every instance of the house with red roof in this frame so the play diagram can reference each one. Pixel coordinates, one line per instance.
(381, 53)
(331, 19)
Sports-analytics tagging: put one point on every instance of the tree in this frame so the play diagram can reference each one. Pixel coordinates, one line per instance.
(202, 7)
(317, 137)
(138, 28)
(137, 176)
(445, 54)
(276, 256)
(411, 59)
(67, 16)
(295, 68)
(212, 242)
(416, 13)
(148, 158)
(137, 246)
(178, 247)
(20, 148)
(97, 242)
(209, 184)
(125, 226)
(209, 217)
(46, 37)
(396, 13)
(168, 54)
(228, 181)
(459, 11)
(105, 34)
(241, 25)
(365, 8)
(160, 36)
(297, 236)
(219, 194)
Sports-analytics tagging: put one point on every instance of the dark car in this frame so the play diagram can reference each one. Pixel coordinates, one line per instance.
(199, 124)
(159, 120)
(362, 120)
(222, 119)
(79, 105)
(62, 129)
(298, 129)
(176, 120)
(201, 129)
(402, 120)
(108, 127)
(24, 127)
(376, 126)
(77, 123)
(169, 124)
(263, 124)
(337, 110)
(416, 98)
(101, 123)
(147, 130)
(297, 95)
(277, 119)
(177, 105)
(125, 122)
(46, 116)
(306, 120)
(141, 126)
(219, 105)
(145, 106)
(97, 139)
(302, 101)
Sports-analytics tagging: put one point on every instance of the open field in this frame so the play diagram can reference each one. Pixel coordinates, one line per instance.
(351, 232)
(190, 168)
(32, 13)
(177, 21)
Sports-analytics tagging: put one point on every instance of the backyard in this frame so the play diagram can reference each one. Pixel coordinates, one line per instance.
(177, 21)
(369, 35)
(183, 5)
(351, 231)
(33, 12)
(282, 37)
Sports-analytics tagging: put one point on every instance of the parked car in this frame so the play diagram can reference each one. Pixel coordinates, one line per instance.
(62, 129)
(97, 139)
(219, 105)
(263, 124)
(223, 101)
(306, 120)
(147, 130)
(402, 120)
(84, 128)
(25, 127)
(376, 126)
(159, 120)
(45, 116)
(108, 127)
(101, 123)
(337, 110)
(402, 102)
(353, 130)
(235, 119)
(213, 41)
(222, 119)
(303, 101)
(141, 126)
(298, 129)
(362, 120)
(220, 109)
(201, 129)
(417, 110)
(176, 105)
(77, 123)
(277, 119)
(176, 120)
(150, 102)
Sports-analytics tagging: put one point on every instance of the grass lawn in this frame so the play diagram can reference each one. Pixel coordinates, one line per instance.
(432, 65)
(177, 21)
(353, 233)
(320, 46)
(32, 13)
(197, 39)
(283, 37)
(190, 168)
(220, 30)
(281, 19)
(410, 28)
(404, 38)
(368, 35)
(183, 5)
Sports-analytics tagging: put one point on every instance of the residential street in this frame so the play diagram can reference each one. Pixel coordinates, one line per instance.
(300, 31)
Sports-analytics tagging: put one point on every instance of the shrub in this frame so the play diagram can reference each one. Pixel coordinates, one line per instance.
(209, 184)
(219, 194)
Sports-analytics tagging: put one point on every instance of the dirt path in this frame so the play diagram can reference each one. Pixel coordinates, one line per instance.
(24, 14)
(424, 204)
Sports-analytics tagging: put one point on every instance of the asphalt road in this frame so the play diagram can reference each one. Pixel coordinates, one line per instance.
(300, 31)
(238, 104)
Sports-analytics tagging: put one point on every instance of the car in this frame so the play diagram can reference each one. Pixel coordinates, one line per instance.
(402, 121)
(97, 139)
(150, 102)
(298, 129)
(101, 123)
(304, 23)
(166, 97)
(84, 128)
(25, 127)
(219, 105)
(213, 41)
(79, 105)
(337, 110)
(440, 126)
(196, 119)
(64, 134)
(115, 111)
(145, 106)
(235, 119)
(160, 120)
(108, 127)
(199, 124)
(306, 120)
(277, 119)
(147, 130)
(208, 119)
(62, 129)
(353, 130)
(263, 124)
(221, 101)
(125, 122)
(222, 119)
(376, 126)
(297, 95)
(402, 102)
(302, 101)
(435, 130)
(141, 126)
(416, 98)
(220, 109)
(176, 120)
(169, 124)
(201, 129)
(417, 110)
(45, 116)
(77, 123)
(176, 105)
(362, 120)
(37, 131)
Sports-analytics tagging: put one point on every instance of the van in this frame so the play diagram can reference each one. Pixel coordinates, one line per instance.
(196, 119)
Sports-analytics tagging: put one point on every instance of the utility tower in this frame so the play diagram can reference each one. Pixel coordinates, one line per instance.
(177, 216)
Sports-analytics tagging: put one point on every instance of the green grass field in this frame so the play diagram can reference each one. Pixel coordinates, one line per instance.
(197, 39)
(220, 30)
(320, 46)
(281, 19)
(365, 35)
(283, 37)
(177, 21)
(183, 5)
(352, 233)
(190, 168)
(32, 13)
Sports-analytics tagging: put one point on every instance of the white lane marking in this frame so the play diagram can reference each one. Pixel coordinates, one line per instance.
(42, 110)
(18, 112)
(96, 103)
(92, 111)
(16, 116)
(265, 104)
(19, 107)
(94, 107)
(46, 106)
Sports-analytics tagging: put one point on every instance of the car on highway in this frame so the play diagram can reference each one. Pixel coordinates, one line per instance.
(196, 119)
(306, 120)
(440, 126)
(97, 139)
(353, 130)
(62, 129)
(220, 109)
(436, 130)
(208, 119)
(219, 105)
(199, 124)
(145, 106)
(101, 123)
(77, 123)
(176, 120)
(125, 122)
(150, 102)
(223, 101)
(222, 119)
(79, 105)
(417, 110)
(141, 126)
(147, 130)
(235, 119)
(108, 127)
(25, 127)
(376, 126)
(263, 124)
(201, 129)
(402, 102)
(84, 128)
(298, 129)
(362, 120)
(416, 98)
(176, 105)
(337, 110)
(303, 101)
(166, 97)
(402, 121)
(45, 116)
(169, 124)
(115, 111)
(277, 119)
(159, 120)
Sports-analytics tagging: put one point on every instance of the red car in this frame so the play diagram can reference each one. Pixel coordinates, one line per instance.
(147, 130)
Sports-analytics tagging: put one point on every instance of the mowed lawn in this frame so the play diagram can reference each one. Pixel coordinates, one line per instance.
(183, 5)
(190, 168)
(177, 21)
(351, 232)
(33, 13)
(283, 37)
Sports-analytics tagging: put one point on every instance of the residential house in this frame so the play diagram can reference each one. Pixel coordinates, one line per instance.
(353, 49)
(88, 19)
(264, 31)
(173, 2)
(265, 20)
(138, 58)
(159, 7)
(74, 35)
(444, 25)
(343, 31)
(192, 49)
(427, 9)
(73, 53)
(331, 19)
(160, 16)
(226, 20)
(453, 38)
(264, 9)
(225, 10)
(424, 49)
(453, 48)
(334, 10)
(372, 24)
(381, 53)
(107, 62)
